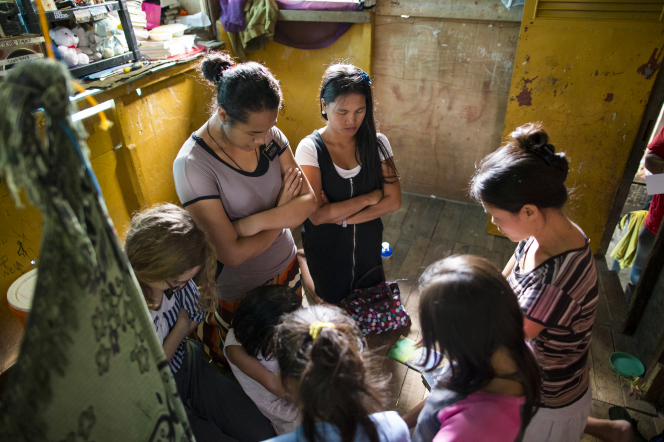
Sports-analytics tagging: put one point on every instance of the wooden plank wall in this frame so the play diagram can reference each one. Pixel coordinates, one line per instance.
(442, 85)
(459, 9)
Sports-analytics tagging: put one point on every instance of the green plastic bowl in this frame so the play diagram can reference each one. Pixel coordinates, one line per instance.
(626, 365)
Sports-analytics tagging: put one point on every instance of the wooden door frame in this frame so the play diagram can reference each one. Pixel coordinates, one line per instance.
(655, 264)
(644, 289)
(648, 122)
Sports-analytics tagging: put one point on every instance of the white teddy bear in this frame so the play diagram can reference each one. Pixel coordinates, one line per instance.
(66, 42)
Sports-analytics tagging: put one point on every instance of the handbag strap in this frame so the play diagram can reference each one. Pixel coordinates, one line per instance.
(365, 294)
(369, 272)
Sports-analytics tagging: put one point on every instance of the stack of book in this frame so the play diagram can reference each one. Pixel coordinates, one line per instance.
(169, 14)
(158, 50)
(138, 19)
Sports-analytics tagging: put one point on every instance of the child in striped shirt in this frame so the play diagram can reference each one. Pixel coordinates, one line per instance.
(175, 264)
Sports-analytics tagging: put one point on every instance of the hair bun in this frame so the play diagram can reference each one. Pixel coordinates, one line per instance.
(531, 136)
(214, 65)
(559, 162)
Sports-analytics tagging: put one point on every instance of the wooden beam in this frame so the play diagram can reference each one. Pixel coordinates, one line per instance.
(485, 10)
(125, 87)
(645, 287)
(325, 16)
(655, 383)
(614, 294)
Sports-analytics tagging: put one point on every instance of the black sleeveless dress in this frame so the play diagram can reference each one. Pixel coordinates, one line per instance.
(339, 256)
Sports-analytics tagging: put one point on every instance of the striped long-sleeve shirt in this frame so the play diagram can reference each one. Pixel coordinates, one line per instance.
(165, 318)
(561, 294)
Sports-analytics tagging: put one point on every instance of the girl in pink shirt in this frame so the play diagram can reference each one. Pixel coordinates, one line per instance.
(489, 391)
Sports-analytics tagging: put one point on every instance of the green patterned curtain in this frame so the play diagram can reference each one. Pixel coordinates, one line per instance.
(90, 367)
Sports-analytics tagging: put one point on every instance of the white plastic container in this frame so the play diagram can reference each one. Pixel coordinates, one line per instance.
(167, 32)
(20, 293)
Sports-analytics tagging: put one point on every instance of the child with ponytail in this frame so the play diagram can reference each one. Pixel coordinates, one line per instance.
(323, 363)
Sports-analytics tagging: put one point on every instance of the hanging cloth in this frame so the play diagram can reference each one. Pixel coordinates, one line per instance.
(90, 366)
(260, 17)
(625, 251)
(232, 15)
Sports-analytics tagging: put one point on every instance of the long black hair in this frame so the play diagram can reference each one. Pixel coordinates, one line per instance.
(526, 170)
(257, 315)
(339, 81)
(332, 372)
(241, 88)
(467, 312)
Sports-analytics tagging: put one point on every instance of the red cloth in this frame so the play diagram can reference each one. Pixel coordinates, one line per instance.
(656, 212)
(194, 50)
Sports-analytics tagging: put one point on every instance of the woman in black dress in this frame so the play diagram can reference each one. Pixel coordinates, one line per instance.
(351, 169)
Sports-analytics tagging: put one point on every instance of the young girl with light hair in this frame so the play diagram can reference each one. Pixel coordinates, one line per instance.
(174, 264)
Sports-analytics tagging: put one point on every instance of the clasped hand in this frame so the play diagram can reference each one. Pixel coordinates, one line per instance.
(291, 187)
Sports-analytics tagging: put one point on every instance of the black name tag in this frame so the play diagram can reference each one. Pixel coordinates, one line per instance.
(272, 150)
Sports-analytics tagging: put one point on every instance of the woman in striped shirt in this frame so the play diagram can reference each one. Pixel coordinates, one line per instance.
(175, 264)
(552, 272)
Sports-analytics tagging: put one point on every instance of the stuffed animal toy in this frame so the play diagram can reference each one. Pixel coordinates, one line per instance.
(118, 41)
(102, 29)
(90, 34)
(117, 32)
(66, 42)
(84, 44)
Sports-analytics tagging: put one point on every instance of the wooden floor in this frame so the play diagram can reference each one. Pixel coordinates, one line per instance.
(427, 229)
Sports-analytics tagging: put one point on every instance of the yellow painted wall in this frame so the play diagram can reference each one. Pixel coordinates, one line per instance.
(588, 81)
(300, 72)
(154, 125)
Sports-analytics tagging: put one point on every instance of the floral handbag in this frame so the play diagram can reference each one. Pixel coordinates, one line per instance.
(377, 309)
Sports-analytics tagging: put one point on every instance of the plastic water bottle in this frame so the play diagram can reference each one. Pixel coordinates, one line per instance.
(386, 254)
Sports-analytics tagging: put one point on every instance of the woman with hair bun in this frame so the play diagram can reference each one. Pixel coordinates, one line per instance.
(324, 364)
(238, 179)
(552, 272)
(352, 170)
